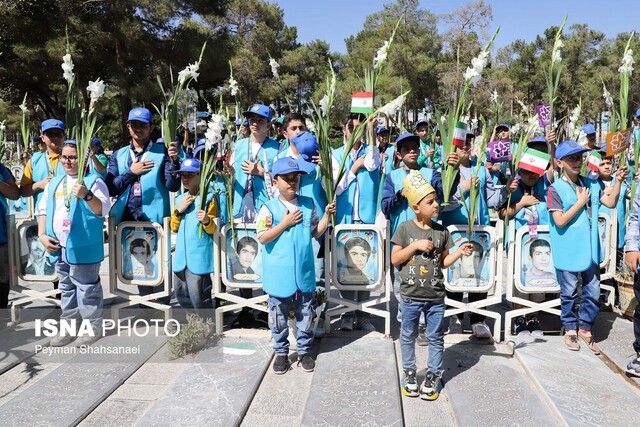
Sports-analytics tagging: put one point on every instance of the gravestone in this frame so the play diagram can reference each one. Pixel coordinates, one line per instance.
(614, 335)
(354, 383)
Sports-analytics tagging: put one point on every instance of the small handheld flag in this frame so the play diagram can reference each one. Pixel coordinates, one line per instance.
(459, 134)
(362, 102)
(534, 161)
(594, 161)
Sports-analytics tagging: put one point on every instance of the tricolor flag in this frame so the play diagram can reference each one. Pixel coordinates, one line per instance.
(534, 161)
(594, 161)
(459, 134)
(362, 102)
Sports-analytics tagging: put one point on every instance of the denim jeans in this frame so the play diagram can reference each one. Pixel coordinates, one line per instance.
(590, 301)
(434, 315)
(304, 304)
(397, 281)
(194, 291)
(81, 292)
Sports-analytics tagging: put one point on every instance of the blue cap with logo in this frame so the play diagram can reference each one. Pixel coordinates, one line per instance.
(381, 129)
(140, 114)
(96, 141)
(421, 123)
(307, 145)
(259, 110)
(502, 125)
(569, 147)
(537, 140)
(51, 124)
(287, 165)
(406, 137)
(190, 165)
(588, 129)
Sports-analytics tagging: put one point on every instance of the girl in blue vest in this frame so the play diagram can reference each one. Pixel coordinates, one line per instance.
(573, 203)
(8, 190)
(286, 226)
(357, 203)
(251, 160)
(193, 257)
(70, 221)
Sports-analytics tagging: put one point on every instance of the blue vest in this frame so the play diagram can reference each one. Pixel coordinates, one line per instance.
(572, 251)
(85, 244)
(541, 208)
(40, 169)
(4, 212)
(459, 214)
(193, 250)
(311, 186)
(220, 193)
(621, 211)
(270, 146)
(404, 212)
(368, 184)
(391, 153)
(156, 204)
(287, 261)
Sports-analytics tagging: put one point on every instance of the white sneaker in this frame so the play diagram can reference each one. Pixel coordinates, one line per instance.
(481, 330)
(88, 339)
(364, 324)
(346, 324)
(455, 327)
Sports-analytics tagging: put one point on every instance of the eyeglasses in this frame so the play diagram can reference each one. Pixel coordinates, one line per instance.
(301, 128)
(69, 158)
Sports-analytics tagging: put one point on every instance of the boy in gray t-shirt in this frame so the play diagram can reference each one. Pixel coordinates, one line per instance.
(421, 250)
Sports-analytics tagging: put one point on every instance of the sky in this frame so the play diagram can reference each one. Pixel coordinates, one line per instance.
(335, 20)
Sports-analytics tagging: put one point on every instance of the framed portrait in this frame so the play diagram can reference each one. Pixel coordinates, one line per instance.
(140, 259)
(534, 261)
(21, 208)
(241, 256)
(357, 257)
(476, 272)
(32, 260)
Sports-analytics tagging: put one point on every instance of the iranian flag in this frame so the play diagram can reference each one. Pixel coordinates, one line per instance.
(460, 134)
(594, 161)
(534, 161)
(362, 102)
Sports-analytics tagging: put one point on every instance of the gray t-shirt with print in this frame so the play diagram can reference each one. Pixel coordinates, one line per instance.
(421, 276)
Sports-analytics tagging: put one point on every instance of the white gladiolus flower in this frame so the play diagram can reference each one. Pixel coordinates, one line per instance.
(24, 109)
(443, 119)
(2, 127)
(381, 55)
(233, 86)
(311, 126)
(574, 115)
(67, 67)
(494, 96)
(557, 57)
(607, 97)
(515, 128)
(274, 67)
(472, 75)
(214, 130)
(96, 89)
(627, 62)
(189, 72)
(393, 107)
(323, 104)
(556, 53)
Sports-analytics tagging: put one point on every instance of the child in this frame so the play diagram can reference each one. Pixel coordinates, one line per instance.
(70, 221)
(573, 203)
(605, 169)
(430, 152)
(285, 227)
(8, 190)
(193, 257)
(421, 251)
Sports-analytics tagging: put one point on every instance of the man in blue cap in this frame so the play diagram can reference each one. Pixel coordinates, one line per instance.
(573, 203)
(141, 175)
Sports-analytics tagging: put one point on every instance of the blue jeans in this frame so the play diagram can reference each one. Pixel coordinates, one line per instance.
(434, 315)
(194, 291)
(590, 301)
(304, 305)
(80, 291)
(397, 281)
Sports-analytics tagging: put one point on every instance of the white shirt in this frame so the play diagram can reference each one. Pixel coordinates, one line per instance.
(61, 221)
(265, 221)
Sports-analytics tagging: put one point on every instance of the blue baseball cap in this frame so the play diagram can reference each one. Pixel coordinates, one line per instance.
(190, 165)
(588, 129)
(287, 165)
(259, 110)
(537, 140)
(199, 146)
(70, 142)
(569, 147)
(238, 122)
(37, 139)
(381, 129)
(140, 114)
(51, 124)
(160, 140)
(307, 145)
(406, 137)
(502, 125)
(245, 123)
(96, 141)
(421, 123)
(638, 112)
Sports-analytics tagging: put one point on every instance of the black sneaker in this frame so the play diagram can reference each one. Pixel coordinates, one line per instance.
(422, 340)
(281, 365)
(409, 384)
(307, 362)
(431, 387)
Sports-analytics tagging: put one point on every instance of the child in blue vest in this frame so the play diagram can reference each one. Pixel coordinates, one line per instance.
(357, 202)
(430, 155)
(573, 203)
(421, 251)
(8, 190)
(286, 227)
(193, 257)
(632, 261)
(70, 221)
(605, 169)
